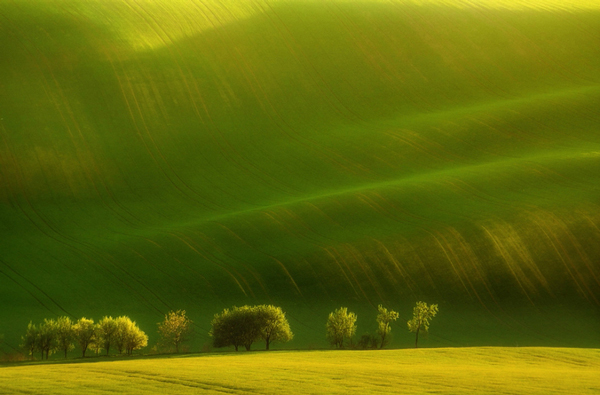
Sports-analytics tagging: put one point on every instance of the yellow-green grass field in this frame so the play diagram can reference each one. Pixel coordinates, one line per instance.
(409, 371)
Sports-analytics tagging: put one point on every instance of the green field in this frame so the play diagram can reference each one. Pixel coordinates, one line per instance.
(196, 155)
(440, 371)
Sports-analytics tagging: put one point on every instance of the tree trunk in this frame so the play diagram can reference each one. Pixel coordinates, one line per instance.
(417, 338)
(267, 342)
(65, 353)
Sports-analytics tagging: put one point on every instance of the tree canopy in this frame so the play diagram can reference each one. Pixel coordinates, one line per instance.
(384, 318)
(242, 326)
(85, 333)
(341, 326)
(421, 316)
(175, 329)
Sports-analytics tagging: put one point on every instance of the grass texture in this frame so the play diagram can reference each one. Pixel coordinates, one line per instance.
(194, 155)
(441, 371)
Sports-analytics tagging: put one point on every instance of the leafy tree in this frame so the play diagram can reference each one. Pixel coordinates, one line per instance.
(223, 330)
(46, 339)
(340, 325)
(128, 336)
(273, 326)
(30, 342)
(107, 333)
(136, 339)
(64, 334)
(96, 345)
(384, 318)
(242, 326)
(175, 329)
(421, 316)
(236, 327)
(247, 324)
(120, 335)
(85, 333)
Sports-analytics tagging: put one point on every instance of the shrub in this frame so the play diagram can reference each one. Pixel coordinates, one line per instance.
(368, 341)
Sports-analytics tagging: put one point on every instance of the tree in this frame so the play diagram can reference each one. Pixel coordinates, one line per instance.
(340, 326)
(136, 339)
(128, 336)
(236, 327)
(46, 343)
(85, 333)
(384, 318)
(106, 333)
(421, 316)
(95, 345)
(242, 326)
(64, 334)
(222, 330)
(175, 329)
(273, 326)
(30, 342)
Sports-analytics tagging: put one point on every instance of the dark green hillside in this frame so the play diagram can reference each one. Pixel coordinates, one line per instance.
(159, 155)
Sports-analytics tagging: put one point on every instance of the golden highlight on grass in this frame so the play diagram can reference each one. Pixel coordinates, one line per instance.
(441, 371)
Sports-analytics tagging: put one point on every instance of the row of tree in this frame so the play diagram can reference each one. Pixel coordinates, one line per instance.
(242, 326)
(60, 335)
(341, 325)
(239, 326)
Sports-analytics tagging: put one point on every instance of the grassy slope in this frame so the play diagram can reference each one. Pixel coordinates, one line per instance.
(444, 371)
(308, 154)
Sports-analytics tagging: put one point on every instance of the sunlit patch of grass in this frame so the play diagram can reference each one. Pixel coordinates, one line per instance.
(443, 371)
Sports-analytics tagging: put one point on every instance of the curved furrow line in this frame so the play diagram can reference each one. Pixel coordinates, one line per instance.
(298, 137)
(192, 100)
(319, 81)
(143, 140)
(26, 289)
(188, 243)
(271, 257)
(553, 240)
(71, 116)
(239, 165)
(255, 274)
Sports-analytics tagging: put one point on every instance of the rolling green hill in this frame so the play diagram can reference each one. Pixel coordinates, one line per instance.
(194, 155)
